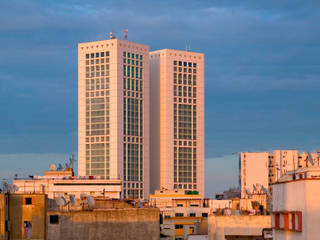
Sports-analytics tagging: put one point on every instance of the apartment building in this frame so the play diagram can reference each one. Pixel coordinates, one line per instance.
(263, 169)
(177, 120)
(113, 113)
(296, 199)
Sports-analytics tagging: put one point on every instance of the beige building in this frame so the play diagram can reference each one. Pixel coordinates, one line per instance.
(239, 228)
(113, 113)
(177, 120)
(296, 213)
(24, 216)
(183, 213)
(110, 220)
(54, 183)
(253, 171)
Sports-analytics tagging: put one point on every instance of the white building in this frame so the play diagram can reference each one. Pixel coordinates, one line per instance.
(54, 183)
(113, 113)
(177, 120)
(262, 169)
(296, 212)
(253, 170)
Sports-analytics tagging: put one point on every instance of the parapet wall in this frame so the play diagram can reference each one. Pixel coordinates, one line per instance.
(221, 226)
(111, 224)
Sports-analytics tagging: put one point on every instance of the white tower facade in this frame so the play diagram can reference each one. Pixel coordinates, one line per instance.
(177, 120)
(113, 113)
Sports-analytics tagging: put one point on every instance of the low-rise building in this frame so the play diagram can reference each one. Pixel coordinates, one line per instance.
(55, 182)
(34, 216)
(22, 216)
(239, 227)
(183, 213)
(296, 211)
(98, 224)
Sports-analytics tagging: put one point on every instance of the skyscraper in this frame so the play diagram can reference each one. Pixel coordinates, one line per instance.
(113, 113)
(177, 120)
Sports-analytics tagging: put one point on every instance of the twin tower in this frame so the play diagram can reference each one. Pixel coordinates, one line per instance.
(141, 116)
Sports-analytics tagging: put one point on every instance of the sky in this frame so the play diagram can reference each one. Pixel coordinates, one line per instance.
(262, 67)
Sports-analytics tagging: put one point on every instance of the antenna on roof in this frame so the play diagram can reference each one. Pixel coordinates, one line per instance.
(112, 36)
(125, 31)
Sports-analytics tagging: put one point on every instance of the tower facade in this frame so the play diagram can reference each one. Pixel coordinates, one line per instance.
(113, 113)
(177, 120)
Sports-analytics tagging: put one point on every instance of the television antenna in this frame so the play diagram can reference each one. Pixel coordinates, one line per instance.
(125, 31)
(52, 167)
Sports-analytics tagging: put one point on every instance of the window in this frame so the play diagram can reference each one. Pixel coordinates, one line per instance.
(178, 226)
(179, 205)
(205, 215)
(28, 201)
(166, 216)
(192, 214)
(179, 214)
(54, 219)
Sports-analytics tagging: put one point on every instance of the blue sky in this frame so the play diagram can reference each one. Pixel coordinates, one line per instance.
(261, 74)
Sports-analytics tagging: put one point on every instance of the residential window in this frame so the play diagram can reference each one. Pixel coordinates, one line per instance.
(192, 214)
(179, 214)
(28, 201)
(205, 215)
(54, 219)
(178, 226)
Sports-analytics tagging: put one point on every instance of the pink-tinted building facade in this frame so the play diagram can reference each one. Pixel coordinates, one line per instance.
(113, 113)
(177, 120)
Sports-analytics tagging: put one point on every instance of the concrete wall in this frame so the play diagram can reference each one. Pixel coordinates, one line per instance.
(303, 196)
(130, 224)
(221, 226)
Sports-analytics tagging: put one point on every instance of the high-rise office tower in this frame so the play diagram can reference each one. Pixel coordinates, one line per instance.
(113, 113)
(177, 120)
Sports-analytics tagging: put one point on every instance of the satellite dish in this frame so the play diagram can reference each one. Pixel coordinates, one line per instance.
(5, 186)
(90, 201)
(72, 200)
(83, 196)
(61, 201)
(13, 188)
(52, 167)
(310, 158)
(254, 187)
